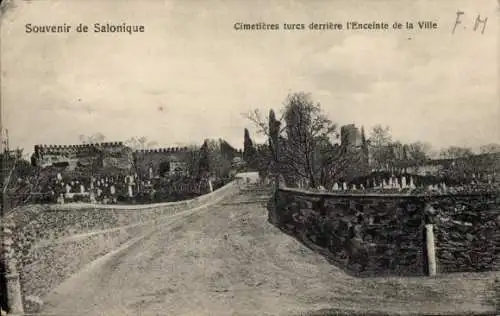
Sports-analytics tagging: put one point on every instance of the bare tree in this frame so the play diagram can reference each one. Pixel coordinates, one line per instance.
(380, 141)
(92, 139)
(490, 148)
(307, 128)
(418, 152)
(302, 142)
(140, 143)
(454, 152)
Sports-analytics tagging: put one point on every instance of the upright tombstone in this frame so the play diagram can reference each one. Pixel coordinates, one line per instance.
(130, 184)
(92, 197)
(335, 186)
(443, 187)
(344, 186)
(151, 173)
(403, 182)
(412, 184)
(82, 189)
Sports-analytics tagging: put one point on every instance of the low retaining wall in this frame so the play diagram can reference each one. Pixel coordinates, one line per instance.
(384, 234)
(53, 242)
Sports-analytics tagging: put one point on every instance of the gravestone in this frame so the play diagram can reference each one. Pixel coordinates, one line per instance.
(92, 197)
(412, 184)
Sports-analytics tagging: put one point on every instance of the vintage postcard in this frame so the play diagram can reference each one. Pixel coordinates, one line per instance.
(288, 157)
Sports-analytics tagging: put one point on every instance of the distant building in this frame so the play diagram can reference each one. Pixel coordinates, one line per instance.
(357, 148)
(351, 136)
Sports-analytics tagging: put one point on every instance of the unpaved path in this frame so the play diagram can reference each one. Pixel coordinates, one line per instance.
(228, 260)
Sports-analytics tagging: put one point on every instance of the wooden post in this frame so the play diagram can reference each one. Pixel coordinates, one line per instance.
(431, 250)
(14, 295)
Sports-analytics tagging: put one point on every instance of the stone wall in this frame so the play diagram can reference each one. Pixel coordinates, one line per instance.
(383, 234)
(53, 242)
(468, 233)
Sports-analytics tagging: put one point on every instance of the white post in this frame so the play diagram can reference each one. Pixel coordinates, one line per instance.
(431, 251)
(14, 294)
(210, 185)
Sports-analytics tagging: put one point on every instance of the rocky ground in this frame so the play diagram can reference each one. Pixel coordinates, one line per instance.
(228, 260)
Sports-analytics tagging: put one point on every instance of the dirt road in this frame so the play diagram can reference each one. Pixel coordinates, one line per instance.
(228, 260)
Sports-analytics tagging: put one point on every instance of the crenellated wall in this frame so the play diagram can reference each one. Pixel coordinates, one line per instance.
(154, 158)
(69, 149)
(53, 242)
(383, 234)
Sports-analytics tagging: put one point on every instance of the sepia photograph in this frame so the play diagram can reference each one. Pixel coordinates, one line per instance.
(289, 157)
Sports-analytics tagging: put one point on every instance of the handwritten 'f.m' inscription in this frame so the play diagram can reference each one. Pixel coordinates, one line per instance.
(479, 22)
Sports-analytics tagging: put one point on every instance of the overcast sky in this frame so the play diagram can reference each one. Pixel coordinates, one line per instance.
(190, 75)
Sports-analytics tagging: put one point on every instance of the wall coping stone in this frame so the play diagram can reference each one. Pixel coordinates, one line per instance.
(76, 206)
(384, 195)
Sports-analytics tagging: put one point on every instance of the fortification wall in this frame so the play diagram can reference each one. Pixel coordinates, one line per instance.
(69, 149)
(153, 158)
(384, 234)
(53, 242)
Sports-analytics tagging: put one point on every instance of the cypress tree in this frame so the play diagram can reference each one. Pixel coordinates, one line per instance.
(248, 149)
(204, 163)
